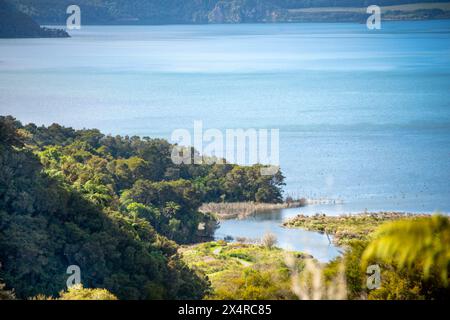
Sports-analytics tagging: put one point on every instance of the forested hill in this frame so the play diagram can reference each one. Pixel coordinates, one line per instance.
(15, 24)
(115, 206)
(228, 11)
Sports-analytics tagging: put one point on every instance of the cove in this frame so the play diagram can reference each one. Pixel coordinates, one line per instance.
(254, 227)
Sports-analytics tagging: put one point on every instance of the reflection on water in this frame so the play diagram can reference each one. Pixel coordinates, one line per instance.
(255, 227)
(363, 117)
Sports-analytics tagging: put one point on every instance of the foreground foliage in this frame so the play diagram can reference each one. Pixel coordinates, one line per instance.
(413, 256)
(241, 210)
(245, 272)
(116, 206)
(423, 244)
(77, 292)
(5, 294)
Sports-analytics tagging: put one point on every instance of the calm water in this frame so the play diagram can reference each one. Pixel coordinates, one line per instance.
(255, 227)
(364, 116)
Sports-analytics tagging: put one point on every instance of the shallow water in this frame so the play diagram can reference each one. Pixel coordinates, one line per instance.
(256, 226)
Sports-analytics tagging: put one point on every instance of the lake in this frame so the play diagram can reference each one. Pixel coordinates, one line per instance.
(364, 116)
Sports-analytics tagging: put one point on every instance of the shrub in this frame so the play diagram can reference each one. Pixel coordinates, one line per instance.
(269, 240)
(77, 292)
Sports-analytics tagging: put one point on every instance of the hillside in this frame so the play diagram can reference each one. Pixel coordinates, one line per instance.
(115, 206)
(228, 11)
(15, 24)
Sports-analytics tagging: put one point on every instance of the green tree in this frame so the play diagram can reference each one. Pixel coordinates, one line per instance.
(9, 135)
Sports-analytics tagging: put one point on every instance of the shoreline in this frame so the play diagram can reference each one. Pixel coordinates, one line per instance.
(345, 228)
(339, 228)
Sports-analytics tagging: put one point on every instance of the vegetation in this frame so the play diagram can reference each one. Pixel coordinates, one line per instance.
(413, 256)
(313, 283)
(269, 240)
(138, 178)
(78, 292)
(244, 271)
(241, 210)
(107, 204)
(405, 243)
(346, 228)
(412, 252)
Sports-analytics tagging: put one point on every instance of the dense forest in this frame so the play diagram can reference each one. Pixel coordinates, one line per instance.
(211, 11)
(115, 206)
(410, 253)
(120, 209)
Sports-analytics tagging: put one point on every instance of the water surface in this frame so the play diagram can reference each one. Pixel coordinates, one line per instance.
(364, 116)
(255, 227)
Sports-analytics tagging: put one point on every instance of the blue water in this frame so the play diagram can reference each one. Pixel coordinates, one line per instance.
(253, 229)
(364, 116)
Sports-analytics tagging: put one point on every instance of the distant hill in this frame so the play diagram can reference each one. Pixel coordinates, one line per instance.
(15, 24)
(228, 11)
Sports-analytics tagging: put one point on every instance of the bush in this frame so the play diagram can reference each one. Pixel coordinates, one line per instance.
(269, 240)
(6, 294)
(77, 292)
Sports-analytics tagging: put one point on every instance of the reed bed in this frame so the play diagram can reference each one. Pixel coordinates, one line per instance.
(241, 210)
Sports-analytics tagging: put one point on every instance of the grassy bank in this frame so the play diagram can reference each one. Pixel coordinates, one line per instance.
(240, 210)
(346, 228)
(243, 271)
